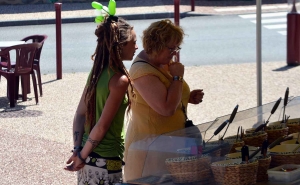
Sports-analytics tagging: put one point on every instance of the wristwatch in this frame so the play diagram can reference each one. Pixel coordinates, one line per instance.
(179, 78)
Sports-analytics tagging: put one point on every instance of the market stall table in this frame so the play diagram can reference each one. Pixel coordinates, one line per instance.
(169, 157)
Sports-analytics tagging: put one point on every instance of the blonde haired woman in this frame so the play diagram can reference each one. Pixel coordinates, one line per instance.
(159, 93)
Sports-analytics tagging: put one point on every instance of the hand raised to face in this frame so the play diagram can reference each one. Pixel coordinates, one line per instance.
(176, 69)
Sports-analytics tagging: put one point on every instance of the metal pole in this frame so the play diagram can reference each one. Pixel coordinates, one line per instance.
(258, 53)
(192, 5)
(176, 19)
(176, 12)
(58, 41)
(293, 39)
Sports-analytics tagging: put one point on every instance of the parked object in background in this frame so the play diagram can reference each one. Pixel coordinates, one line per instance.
(36, 63)
(23, 68)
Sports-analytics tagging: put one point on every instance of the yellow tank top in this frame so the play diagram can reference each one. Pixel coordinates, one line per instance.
(145, 122)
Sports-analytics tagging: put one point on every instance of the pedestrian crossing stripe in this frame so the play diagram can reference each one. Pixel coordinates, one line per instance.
(282, 32)
(265, 21)
(245, 8)
(264, 15)
(273, 21)
(276, 26)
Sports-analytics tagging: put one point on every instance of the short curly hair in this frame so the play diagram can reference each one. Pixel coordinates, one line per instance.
(159, 34)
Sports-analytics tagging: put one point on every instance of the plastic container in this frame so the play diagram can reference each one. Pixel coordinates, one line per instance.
(277, 175)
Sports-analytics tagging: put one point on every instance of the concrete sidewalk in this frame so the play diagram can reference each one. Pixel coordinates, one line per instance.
(37, 14)
(36, 140)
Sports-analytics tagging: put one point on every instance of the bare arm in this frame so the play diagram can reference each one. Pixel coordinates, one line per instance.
(79, 120)
(78, 130)
(163, 100)
(118, 86)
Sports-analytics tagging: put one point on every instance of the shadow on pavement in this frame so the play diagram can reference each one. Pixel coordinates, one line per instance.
(284, 68)
(50, 81)
(18, 111)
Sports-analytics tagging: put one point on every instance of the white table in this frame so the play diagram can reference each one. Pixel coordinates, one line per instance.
(5, 44)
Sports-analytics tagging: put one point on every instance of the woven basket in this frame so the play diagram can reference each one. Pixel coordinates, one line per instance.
(234, 174)
(274, 133)
(293, 128)
(284, 158)
(263, 166)
(255, 139)
(234, 145)
(189, 169)
(293, 124)
(232, 141)
(285, 154)
(220, 152)
(215, 155)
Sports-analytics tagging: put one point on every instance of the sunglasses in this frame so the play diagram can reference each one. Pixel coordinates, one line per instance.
(174, 50)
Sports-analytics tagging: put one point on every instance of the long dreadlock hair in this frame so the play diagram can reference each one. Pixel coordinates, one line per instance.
(112, 34)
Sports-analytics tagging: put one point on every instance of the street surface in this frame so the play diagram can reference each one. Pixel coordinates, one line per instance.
(209, 40)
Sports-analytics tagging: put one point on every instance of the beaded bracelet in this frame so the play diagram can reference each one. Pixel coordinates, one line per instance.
(79, 156)
(77, 149)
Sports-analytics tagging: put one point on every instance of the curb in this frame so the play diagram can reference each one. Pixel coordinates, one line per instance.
(159, 15)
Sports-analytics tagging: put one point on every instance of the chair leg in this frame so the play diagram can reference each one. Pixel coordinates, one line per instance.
(11, 90)
(17, 78)
(28, 84)
(38, 73)
(24, 84)
(35, 88)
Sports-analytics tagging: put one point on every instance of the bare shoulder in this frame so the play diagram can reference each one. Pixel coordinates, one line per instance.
(118, 82)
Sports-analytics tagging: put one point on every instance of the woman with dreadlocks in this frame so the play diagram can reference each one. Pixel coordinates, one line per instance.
(98, 122)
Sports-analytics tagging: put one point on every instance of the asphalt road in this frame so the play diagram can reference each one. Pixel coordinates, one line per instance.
(209, 40)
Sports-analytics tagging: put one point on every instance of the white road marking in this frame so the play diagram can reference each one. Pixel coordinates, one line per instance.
(264, 15)
(274, 21)
(276, 26)
(282, 32)
(264, 21)
(244, 8)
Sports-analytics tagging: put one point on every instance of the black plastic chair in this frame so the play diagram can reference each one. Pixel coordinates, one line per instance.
(22, 67)
(36, 64)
